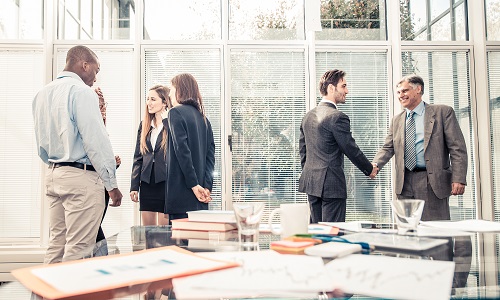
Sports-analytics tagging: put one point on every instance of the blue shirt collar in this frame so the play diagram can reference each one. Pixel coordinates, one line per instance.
(419, 110)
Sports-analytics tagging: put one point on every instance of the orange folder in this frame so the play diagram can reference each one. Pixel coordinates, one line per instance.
(42, 288)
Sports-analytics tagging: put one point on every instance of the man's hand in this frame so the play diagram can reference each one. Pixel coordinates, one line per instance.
(201, 194)
(134, 195)
(374, 171)
(457, 188)
(118, 161)
(116, 197)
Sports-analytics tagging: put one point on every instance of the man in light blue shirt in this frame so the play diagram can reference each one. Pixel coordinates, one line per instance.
(72, 140)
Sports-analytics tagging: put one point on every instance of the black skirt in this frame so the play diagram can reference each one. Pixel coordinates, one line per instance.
(152, 195)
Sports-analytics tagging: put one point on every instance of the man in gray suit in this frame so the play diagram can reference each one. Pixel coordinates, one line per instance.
(325, 136)
(425, 139)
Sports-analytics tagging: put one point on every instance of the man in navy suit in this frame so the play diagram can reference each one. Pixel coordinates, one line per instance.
(325, 136)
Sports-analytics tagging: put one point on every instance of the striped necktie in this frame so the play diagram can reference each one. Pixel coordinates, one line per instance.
(410, 152)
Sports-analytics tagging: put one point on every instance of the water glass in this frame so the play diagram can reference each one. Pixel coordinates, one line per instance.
(248, 215)
(407, 213)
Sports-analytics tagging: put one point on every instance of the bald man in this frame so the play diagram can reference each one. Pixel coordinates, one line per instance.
(73, 142)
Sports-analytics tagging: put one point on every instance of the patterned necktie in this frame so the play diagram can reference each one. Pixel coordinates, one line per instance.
(410, 152)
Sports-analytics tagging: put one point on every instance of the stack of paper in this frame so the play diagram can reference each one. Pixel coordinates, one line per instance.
(206, 225)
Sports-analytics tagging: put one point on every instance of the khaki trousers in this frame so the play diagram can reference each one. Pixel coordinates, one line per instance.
(76, 205)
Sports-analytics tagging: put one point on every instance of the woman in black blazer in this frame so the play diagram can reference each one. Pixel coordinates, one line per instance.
(148, 169)
(191, 150)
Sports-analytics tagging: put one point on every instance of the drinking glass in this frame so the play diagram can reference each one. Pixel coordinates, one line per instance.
(407, 213)
(248, 215)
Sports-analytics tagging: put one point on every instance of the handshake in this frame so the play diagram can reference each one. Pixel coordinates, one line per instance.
(374, 171)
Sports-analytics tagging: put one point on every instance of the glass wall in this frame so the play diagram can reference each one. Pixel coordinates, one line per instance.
(492, 20)
(353, 20)
(20, 206)
(205, 65)
(367, 77)
(258, 75)
(182, 20)
(494, 97)
(434, 20)
(268, 92)
(95, 20)
(21, 19)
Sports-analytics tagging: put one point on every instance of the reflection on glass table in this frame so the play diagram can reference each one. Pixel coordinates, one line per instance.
(476, 272)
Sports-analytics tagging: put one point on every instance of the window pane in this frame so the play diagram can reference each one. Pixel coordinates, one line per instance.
(431, 20)
(460, 23)
(117, 91)
(95, 20)
(182, 20)
(205, 66)
(267, 106)
(440, 31)
(494, 96)
(21, 167)
(352, 20)
(438, 7)
(447, 81)
(266, 20)
(21, 19)
(493, 20)
(366, 199)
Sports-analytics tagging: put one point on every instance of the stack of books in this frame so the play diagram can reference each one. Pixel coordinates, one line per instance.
(212, 225)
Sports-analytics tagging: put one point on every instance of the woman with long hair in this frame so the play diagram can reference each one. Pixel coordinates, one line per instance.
(148, 170)
(191, 150)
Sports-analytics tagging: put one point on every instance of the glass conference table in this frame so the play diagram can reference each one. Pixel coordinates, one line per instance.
(476, 258)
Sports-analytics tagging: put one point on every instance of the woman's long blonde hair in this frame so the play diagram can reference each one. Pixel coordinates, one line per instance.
(149, 118)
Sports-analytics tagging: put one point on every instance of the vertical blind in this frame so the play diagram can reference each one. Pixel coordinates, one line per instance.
(116, 82)
(20, 182)
(367, 106)
(205, 65)
(447, 81)
(267, 106)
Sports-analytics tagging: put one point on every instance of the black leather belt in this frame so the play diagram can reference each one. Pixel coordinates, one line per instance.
(72, 164)
(417, 169)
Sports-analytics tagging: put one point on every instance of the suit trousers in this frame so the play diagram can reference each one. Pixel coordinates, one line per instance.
(417, 186)
(75, 199)
(327, 209)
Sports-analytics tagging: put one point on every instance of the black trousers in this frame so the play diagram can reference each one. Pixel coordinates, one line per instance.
(175, 217)
(327, 209)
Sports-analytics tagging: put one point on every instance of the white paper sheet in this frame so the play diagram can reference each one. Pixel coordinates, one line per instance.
(355, 226)
(93, 274)
(390, 277)
(263, 273)
(465, 225)
(425, 231)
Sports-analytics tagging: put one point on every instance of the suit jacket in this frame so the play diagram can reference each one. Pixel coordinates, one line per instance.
(143, 164)
(325, 136)
(445, 151)
(190, 159)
